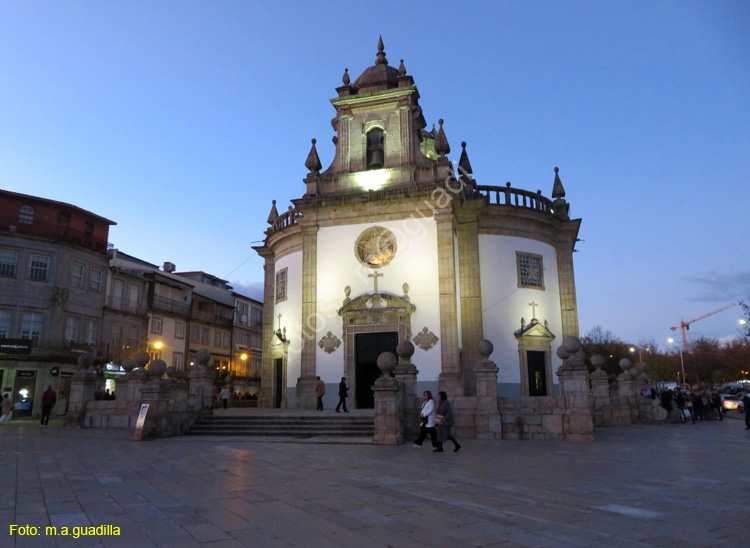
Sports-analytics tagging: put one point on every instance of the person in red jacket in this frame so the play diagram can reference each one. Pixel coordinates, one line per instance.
(49, 398)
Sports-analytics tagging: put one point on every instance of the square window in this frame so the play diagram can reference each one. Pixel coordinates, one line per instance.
(71, 329)
(39, 268)
(179, 330)
(205, 336)
(281, 285)
(31, 325)
(8, 262)
(156, 324)
(4, 323)
(178, 360)
(92, 331)
(96, 279)
(77, 272)
(530, 270)
(26, 215)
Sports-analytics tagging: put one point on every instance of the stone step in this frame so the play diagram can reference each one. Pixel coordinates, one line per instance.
(287, 425)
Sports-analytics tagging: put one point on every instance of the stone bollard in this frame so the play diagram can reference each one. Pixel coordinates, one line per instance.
(627, 385)
(201, 380)
(388, 426)
(578, 422)
(82, 388)
(155, 393)
(406, 374)
(487, 423)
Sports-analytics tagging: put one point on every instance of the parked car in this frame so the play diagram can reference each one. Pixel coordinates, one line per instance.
(731, 402)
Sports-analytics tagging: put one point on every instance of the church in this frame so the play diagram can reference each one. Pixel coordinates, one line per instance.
(396, 242)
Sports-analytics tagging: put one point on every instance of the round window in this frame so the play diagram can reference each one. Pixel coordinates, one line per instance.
(375, 247)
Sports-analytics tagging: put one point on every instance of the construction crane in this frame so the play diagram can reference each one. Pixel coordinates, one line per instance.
(684, 326)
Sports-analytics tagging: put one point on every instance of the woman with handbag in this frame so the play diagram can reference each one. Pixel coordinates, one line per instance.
(427, 422)
(444, 422)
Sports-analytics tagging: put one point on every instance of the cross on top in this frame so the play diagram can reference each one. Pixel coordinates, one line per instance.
(279, 316)
(375, 279)
(533, 306)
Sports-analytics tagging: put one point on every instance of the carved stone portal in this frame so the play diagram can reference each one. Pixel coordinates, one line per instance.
(426, 339)
(329, 343)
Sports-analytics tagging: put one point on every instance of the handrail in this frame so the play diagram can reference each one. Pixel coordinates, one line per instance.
(288, 218)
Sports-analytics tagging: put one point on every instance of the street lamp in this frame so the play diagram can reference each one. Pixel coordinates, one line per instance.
(682, 361)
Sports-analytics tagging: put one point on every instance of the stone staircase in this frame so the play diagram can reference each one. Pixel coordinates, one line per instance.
(289, 424)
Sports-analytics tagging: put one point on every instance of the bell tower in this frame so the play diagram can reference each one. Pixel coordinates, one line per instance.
(380, 137)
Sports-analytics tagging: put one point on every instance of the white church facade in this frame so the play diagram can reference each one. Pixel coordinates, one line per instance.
(394, 242)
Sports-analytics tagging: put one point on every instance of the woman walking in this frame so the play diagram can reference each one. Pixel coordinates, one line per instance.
(444, 422)
(427, 422)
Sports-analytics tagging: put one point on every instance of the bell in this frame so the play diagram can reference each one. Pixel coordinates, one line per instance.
(376, 160)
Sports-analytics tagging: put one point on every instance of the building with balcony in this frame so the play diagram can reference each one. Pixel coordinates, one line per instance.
(53, 276)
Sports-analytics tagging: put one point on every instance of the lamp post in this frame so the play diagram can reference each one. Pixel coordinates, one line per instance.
(682, 361)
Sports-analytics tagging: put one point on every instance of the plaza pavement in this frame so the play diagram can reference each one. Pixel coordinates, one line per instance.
(635, 486)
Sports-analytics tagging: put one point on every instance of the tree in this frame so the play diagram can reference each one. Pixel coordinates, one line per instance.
(603, 342)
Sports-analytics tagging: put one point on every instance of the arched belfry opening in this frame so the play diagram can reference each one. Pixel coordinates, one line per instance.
(375, 149)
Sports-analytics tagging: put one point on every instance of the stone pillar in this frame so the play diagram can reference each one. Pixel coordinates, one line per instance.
(155, 393)
(388, 425)
(82, 388)
(306, 382)
(201, 383)
(487, 423)
(578, 421)
(627, 385)
(406, 374)
(450, 378)
(599, 381)
(566, 277)
(265, 395)
(472, 329)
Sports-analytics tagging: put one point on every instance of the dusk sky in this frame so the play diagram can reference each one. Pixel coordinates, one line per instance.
(181, 121)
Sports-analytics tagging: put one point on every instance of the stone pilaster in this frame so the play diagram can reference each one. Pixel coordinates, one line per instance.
(406, 374)
(450, 378)
(82, 388)
(265, 395)
(567, 284)
(306, 381)
(388, 425)
(472, 329)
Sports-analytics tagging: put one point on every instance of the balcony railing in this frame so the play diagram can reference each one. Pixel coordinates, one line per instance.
(125, 305)
(288, 218)
(52, 231)
(170, 306)
(515, 197)
(223, 322)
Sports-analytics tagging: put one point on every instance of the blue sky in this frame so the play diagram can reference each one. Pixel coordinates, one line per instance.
(181, 121)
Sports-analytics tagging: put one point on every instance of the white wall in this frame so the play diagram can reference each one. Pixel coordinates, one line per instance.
(415, 263)
(504, 303)
(291, 311)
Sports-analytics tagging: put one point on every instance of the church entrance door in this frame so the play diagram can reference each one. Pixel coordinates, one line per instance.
(278, 381)
(368, 346)
(537, 375)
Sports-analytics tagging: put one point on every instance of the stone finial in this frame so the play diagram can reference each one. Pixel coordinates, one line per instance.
(597, 360)
(203, 357)
(625, 364)
(402, 69)
(485, 348)
(171, 370)
(464, 166)
(85, 360)
(141, 359)
(572, 344)
(557, 189)
(313, 162)
(157, 367)
(273, 215)
(345, 78)
(386, 363)
(347, 291)
(405, 349)
(405, 287)
(128, 364)
(381, 60)
(441, 141)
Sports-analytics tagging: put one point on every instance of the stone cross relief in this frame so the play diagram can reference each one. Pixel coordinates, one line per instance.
(375, 279)
(533, 306)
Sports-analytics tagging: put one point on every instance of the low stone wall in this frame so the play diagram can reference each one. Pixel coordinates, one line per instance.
(110, 414)
(623, 410)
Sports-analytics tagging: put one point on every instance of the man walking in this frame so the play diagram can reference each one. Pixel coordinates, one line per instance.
(320, 391)
(49, 398)
(343, 391)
